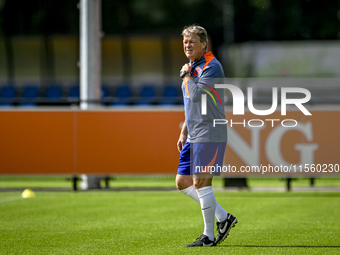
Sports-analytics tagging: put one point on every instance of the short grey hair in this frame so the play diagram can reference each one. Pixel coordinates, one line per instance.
(200, 31)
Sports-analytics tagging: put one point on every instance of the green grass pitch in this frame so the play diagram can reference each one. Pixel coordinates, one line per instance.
(130, 222)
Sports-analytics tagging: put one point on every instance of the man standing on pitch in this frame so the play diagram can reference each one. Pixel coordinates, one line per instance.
(202, 145)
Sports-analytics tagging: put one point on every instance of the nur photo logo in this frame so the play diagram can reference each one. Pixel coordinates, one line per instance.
(239, 99)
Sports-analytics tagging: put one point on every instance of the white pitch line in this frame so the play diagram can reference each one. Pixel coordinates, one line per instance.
(10, 199)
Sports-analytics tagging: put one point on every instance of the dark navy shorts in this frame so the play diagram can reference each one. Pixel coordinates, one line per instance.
(201, 158)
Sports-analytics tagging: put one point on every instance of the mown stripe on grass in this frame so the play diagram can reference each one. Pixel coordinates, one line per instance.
(8, 199)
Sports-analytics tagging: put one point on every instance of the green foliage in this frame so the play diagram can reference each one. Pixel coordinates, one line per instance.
(253, 19)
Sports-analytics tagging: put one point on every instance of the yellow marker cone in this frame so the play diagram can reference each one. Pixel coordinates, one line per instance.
(28, 193)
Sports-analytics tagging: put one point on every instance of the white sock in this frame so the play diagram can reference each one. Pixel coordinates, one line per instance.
(191, 192)
(220, 213)
(208, 206)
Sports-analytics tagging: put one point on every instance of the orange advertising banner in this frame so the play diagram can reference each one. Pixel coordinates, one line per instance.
(144, 142)
(294, 144)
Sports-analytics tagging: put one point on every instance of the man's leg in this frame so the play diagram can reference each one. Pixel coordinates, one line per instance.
(207, 199)
(185, 185)
(206, 195)
(203, 185)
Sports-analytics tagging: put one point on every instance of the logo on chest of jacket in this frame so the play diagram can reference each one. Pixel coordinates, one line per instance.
(197, 71)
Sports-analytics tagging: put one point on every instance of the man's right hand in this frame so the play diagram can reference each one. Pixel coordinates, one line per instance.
(181, 141)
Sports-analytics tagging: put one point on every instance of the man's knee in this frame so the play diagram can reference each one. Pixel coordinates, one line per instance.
(183, 181)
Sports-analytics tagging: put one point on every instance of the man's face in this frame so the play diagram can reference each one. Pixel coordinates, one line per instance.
(192, 46)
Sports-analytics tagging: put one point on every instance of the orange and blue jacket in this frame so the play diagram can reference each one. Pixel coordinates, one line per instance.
(200, 110)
